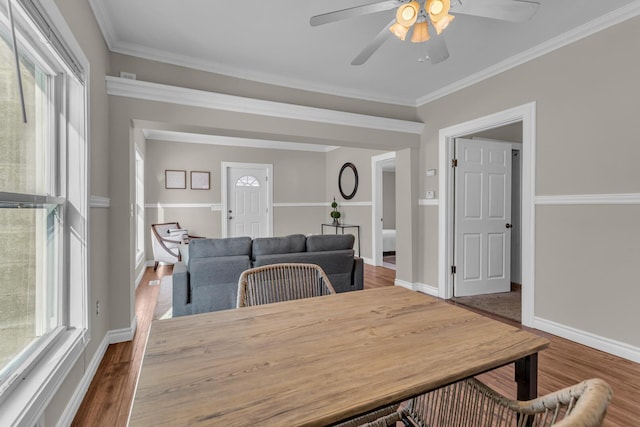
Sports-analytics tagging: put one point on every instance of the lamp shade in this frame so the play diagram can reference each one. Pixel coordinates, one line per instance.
(438, 9)
(399, 31)
(407, 14)
(442, 23)
(420, 32)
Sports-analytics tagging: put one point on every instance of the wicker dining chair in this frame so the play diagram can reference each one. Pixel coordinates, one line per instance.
(282, 282)
(471, 403)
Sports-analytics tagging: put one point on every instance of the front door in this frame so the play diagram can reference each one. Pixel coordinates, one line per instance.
(248, 201)
(482, 250)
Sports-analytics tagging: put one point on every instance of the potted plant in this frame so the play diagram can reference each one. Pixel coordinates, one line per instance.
(335, 214)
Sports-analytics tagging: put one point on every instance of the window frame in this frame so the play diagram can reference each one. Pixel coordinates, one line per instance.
(24, 400)
(140, 210)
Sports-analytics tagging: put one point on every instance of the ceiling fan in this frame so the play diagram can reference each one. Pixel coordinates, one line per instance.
(427, 19)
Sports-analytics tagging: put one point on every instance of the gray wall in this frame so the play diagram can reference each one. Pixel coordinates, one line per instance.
(298, 178)
(301, 178)
(388, 200)
(357, 210)
(585, 276)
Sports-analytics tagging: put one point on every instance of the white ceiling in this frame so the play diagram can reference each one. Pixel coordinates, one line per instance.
(272, 42)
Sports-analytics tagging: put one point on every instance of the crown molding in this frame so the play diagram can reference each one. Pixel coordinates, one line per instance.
(197, 138)
(603, 22)
(104, 22)
(615, 17)
(151, 54)
(198, 98)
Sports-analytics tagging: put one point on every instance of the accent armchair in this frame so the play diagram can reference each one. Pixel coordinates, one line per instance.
(166, 239)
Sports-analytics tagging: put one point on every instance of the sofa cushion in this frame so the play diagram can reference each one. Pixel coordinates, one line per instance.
(329, 242)
(278, 245)
(207, 248)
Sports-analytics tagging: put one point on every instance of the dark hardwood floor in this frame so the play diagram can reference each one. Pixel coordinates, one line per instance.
(108, 400)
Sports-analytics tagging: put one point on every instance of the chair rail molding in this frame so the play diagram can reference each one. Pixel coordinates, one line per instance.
(99, 202)
(212, 206)
(590, 199)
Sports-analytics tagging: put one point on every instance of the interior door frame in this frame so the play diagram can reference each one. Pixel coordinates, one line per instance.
(377, 163)
(224, 197)
(527, 115)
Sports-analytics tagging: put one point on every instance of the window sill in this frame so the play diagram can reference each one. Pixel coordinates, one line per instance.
(27, 401)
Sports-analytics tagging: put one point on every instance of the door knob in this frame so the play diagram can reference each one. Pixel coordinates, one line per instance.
(508, 225)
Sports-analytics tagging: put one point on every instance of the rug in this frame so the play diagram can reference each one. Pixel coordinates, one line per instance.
(506, 304)
(389, 257)
(164, 306)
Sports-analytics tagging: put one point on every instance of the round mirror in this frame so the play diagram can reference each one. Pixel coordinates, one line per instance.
(348, 181)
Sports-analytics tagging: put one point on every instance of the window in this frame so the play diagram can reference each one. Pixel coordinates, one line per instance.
(247, 181)
(139, 207)
(43, 213)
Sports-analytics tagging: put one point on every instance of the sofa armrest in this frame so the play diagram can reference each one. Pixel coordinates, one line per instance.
(181, 290)
(358, 273)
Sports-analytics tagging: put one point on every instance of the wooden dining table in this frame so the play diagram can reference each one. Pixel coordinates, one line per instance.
(317, 361)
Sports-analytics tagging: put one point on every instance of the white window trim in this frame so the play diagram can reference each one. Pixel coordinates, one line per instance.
(139, 206)
(28, 400)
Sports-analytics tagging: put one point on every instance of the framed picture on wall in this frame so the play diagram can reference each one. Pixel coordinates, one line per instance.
(200, 180)
(175, 179)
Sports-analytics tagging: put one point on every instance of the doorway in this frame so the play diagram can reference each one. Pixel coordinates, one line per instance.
(383, 212)
(247, 199)
(525, 115)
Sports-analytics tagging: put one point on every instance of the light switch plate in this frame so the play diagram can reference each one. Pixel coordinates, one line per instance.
(431, 172)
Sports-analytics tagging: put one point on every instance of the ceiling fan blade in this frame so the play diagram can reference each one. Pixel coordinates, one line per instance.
(437, 49)
(373, 45)
(352, 12)
(505, 10)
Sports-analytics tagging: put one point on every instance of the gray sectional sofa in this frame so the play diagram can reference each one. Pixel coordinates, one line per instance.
(207, 277)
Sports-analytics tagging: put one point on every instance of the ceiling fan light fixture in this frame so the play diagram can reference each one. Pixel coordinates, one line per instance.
(442, 23)
(420, 32)
(400, 31)
(438, 9)
(407, 14)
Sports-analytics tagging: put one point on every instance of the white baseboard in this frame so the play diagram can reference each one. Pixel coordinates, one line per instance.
(78, 396)
(122, 335)
(607, 345)
(367, 261)
(141, 275)
(420, 287)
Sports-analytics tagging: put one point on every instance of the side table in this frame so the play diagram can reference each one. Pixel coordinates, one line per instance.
(342, 227)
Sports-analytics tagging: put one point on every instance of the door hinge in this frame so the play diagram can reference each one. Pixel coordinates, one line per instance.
(453, 269)
(454, 163)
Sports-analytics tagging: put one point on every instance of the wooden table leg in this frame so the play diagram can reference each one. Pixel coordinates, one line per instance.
(527, 378)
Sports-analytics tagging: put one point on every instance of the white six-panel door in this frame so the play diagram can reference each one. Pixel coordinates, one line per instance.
(248, 202)
(482, 248)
